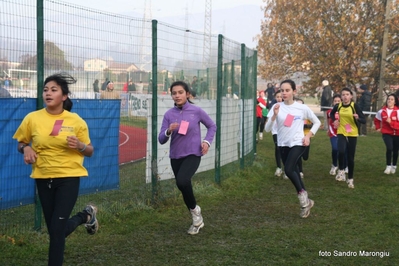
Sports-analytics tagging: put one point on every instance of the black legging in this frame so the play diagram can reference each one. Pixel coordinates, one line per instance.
(277, 153)
(290, 157)
(58, 197)
(184, 169)
(392, 147)
(347, 147)
(260, 124)
(305, 157)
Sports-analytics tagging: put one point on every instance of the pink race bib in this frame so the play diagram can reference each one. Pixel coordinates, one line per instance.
(183, 127)
(288, 120)
(348, 128)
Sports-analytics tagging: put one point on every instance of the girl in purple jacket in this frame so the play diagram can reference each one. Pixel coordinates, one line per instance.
(181, 124)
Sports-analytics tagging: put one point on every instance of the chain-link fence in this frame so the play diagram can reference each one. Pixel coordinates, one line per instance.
(141, 58)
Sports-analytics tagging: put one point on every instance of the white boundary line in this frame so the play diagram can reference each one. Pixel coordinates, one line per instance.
(127, 138)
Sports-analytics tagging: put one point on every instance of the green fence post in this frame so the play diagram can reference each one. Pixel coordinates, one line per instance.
(219, 89)
(254, 92)
(154, 116)
(255, 72)
(244, 96)
(39, 98)
(207, 83)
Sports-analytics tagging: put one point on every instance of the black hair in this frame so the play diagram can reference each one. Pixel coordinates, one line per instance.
(184, 85)
(336, 96)
(63, 80)
(395, 97)
(276, 92)
(347, 89)
(289, 81)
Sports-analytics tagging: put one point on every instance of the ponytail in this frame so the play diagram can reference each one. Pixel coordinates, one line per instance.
(67, 105)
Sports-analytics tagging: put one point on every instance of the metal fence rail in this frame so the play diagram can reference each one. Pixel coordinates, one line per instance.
(95, 45)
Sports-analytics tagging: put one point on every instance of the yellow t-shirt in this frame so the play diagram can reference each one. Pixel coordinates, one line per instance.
(48, 135)
(307, 126)
(347, 125)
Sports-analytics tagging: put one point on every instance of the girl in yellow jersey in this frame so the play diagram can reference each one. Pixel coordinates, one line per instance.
(350, 115)
(55, 141)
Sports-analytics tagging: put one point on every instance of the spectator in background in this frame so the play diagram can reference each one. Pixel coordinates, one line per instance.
(364, 104)
(204, 88)
(21, 83)
(7, 83)
(140, 87)
(131, 87)
(4, 93)
(104, 85)
(166, 85)
(96, 87)
(326, 101)
(110, 93)
(269, 93)
(353, 89)
(125, 87)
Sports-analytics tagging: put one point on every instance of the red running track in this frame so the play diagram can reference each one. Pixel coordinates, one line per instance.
(132, 143)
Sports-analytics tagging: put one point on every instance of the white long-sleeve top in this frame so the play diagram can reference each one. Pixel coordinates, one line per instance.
(289, 136)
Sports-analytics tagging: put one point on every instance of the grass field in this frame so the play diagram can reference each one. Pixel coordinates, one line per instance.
(252, 218)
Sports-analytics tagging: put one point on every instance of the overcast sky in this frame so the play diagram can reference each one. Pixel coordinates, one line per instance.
(244, 32)
(161, 8)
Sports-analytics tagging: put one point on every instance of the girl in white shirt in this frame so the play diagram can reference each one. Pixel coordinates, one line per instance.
(288, 117)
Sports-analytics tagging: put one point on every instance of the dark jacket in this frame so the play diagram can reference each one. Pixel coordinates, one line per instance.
(326, 98)
(365, 101)
(96, 88)
(269, 92)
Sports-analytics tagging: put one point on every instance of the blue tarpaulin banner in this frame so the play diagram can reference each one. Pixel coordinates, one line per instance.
(102, 118)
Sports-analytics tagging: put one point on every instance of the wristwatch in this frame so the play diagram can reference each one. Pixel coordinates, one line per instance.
(21, 149)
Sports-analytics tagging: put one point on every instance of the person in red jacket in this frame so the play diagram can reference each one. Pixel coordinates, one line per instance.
(260, 120)
(387, 122)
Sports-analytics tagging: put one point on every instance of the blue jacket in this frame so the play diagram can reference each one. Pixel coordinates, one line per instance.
(190, 143)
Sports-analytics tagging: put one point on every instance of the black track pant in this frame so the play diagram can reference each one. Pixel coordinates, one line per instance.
(184, 169)
(290, 157)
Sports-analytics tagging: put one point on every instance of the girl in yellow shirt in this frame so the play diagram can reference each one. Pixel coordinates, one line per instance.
(55, 141)
(350, 115)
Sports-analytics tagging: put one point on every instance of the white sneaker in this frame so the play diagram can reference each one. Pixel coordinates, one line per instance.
(197, 217)
(92, 224)
(340, 176)
(350, 183)
(301, 174)
(260, 136)
(278, 172)
(387, 170)
(346, 170)
(193, 230)
(306, 204)
(285, 176)
(393, 169)
(333, 170)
